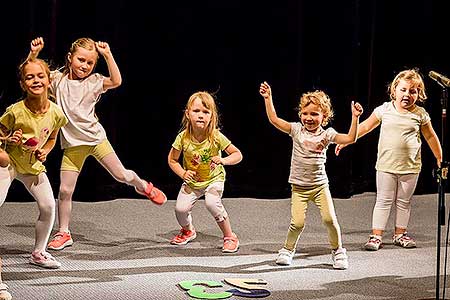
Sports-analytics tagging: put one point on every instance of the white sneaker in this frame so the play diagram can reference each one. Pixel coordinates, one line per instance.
(340, 258)
(4, 294)
(374, 243)
(44, 260)
(285, 257)
(404, 240)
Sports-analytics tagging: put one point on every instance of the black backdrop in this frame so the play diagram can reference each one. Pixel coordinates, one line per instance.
(168, 50)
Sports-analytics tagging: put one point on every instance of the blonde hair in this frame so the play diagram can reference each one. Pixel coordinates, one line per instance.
(320, 99)
(37, 61)
(413, 77)
(84, 42)
(208, 102)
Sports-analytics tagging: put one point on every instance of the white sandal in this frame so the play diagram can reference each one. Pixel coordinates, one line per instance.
(4, 294)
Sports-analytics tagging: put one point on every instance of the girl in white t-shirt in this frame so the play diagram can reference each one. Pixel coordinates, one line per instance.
(399, 159)
(308, 177)
(77, 90)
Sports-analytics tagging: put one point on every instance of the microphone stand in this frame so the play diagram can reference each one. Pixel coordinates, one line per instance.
(441, 176)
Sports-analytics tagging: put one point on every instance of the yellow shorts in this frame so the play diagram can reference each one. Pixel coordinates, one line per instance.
(74, 157)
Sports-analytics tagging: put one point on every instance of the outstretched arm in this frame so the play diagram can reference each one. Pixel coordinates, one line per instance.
(279, 123)
(364, 128)
(433, 142)
(351, 136)
(114, 79)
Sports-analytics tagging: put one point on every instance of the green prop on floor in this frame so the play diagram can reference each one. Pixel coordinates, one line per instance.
(196, 289)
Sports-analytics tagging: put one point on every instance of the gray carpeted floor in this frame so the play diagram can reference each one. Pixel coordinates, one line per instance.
(122, 251)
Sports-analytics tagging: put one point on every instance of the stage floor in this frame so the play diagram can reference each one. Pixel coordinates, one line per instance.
(122, 251)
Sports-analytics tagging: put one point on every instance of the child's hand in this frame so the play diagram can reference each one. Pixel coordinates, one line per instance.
(103, 48)
(189, 175)
(16, 137)
(37, 45)
(338, 148)
(40, 154)
(217, 160)
(264, 90)
(357, 109)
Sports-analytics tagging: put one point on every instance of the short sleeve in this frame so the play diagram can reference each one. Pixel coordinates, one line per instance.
(177, 144)
(224, 142)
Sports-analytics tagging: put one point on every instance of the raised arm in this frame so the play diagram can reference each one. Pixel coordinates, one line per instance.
(115, 78)
(351, 136)
(433, 142)
(364, 128)
(368, 125)
(36, 46)
(279, 123)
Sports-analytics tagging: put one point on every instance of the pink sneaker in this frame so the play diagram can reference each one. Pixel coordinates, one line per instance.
(184, 237)
(45, 260)
(60, 240)
(154, 194)
(230, 244)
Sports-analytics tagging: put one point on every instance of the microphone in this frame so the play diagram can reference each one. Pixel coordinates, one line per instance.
(441, 79)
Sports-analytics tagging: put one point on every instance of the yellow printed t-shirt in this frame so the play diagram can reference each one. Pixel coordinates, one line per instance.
(35, 132)
(197, 157)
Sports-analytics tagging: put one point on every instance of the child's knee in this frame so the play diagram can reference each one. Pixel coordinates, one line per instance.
(297, 224)
(330, 222)
(65, 192)
(183, 207)
(221, 216)
(47, 211)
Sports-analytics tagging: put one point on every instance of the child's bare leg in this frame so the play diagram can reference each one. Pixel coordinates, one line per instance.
(225, 226)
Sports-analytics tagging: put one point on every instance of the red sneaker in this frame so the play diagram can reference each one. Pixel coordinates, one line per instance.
(230, 244)
(154, 194)
(184, 237)
(60, 241)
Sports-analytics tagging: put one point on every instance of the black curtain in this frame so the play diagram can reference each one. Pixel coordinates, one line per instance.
(350, 49)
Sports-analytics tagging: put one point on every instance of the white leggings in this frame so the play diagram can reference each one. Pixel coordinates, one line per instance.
(398, 188)
(41, 190)
(188, 196)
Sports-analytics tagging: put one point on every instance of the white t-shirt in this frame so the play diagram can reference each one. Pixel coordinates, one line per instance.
(78, 98)
(309, 155)
(399, 144)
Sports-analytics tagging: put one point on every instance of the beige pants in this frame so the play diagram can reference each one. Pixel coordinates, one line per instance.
(320, 196)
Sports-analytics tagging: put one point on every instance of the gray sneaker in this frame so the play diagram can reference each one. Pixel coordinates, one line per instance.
(340, 258)
(285, 257)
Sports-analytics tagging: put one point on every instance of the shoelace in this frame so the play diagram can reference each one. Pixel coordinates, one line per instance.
(183, 233)
(228, 240)
(58, 236)
(404, 238)
(44, 256)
